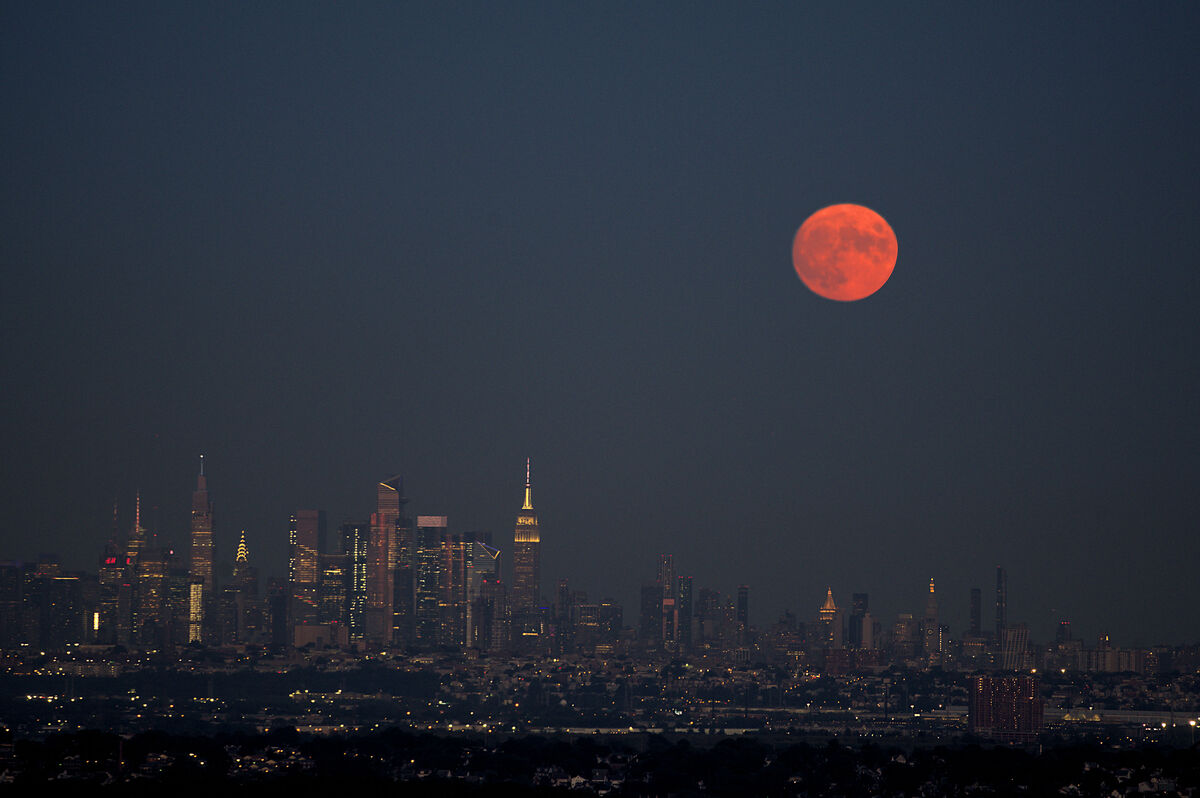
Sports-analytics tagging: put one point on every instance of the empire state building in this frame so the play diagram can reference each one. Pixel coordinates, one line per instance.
(527, 555)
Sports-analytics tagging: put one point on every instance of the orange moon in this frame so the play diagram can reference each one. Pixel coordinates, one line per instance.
(844, 252)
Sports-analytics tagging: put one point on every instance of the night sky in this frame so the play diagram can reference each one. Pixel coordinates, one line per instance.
(324, 244)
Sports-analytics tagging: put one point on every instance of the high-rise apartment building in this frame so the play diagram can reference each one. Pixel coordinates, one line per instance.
(526, 595)
(1007, 708)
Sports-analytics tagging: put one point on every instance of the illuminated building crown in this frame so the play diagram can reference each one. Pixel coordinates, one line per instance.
(527, 523)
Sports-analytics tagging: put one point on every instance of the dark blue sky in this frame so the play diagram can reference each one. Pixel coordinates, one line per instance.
(327, 243)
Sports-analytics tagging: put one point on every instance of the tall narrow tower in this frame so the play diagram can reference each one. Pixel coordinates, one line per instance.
(829, 622)
(1001, 604)
(976, 628)
(136, 542)
(202, 568)
(201, 614)
(931, 633)
(669, 625)
(527, 555)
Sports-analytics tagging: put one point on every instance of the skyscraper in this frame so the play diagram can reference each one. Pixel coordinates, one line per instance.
(708, 618)
(306, 540)
(1001, 604)
(684, 612)
(401, 568)
(427, 576)
(111, 580)
(452, 591)
(381, 558)
(491, 620)
(650, 615)
(483, 565)
(829, 623)
(859, 604)
(974, 642)
(976, 627)
(527, 556)
(743, 614)
(1007, 708)
(136, 541)
(1014, 648)
(201, 612)
(333, 603)
(668, 613)
(931, 631)
(153, 608)
(355, 540)
(243, 615)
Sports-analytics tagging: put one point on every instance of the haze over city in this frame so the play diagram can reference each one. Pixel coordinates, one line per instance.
(325, 245)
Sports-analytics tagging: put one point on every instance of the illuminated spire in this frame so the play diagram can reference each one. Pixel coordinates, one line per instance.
(201, 465)
(528, 505)
(243, 554)
(931, 605)
(829, 606)
(527, 558)
(137, 513)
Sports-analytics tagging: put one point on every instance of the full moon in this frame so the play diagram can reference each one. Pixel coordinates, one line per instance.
(844, 252)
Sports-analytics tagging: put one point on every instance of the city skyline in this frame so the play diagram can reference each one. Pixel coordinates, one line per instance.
(306, 531)
(326, 245)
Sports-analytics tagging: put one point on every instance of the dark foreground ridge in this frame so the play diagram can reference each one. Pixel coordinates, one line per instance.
(426, 764)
